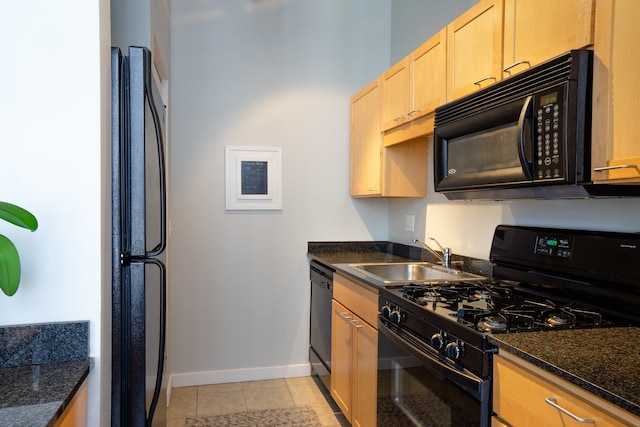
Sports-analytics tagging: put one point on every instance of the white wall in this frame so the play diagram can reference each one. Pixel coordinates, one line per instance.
(265, 73)
(54, 145)
(467, 226)
(413, 22)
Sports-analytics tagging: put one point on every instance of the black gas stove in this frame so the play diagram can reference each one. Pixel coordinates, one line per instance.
(543, 280)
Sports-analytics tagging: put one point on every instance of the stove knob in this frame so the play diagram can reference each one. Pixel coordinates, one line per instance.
(438, 340)
(395, 316)
(455, 350)
(385, 311)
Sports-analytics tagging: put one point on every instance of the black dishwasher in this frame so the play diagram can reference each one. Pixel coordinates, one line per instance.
(320, 324)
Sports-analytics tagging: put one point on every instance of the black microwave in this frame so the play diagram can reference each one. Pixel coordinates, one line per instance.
(527, 136)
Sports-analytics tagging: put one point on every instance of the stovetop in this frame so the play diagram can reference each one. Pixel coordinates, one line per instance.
(501, 307)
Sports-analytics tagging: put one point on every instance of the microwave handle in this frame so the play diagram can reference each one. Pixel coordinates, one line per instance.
(525, 154)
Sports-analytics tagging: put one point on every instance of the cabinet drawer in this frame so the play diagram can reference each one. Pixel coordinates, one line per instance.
(522, 392)
(358, 298)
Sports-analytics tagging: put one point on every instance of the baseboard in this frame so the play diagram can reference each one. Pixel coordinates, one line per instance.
(188, 379)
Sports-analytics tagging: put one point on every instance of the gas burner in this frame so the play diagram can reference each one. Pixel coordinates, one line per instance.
(492, 323)
(559, 319)
(421, 294)
(482, 294)
(430, 296)
(414, 291)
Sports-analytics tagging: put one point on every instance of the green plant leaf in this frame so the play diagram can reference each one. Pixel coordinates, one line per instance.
(9, 266)
(18, 216)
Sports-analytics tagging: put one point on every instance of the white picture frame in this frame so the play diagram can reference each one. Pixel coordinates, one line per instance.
(253, 178)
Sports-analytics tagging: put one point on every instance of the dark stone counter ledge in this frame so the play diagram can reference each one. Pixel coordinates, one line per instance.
(603, 361)
(42, 366)
(37, 395)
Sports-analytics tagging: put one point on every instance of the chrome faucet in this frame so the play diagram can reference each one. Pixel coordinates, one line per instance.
(445, 258)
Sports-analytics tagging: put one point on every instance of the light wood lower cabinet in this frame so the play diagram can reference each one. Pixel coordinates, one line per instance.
(525, 395)
(75, 415)
(354, 351)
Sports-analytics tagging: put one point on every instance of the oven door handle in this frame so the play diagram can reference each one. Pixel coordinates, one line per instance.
(474, 385)
(525, 144)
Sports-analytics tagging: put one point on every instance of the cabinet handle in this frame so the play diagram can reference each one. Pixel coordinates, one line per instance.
(355, 323)
(397, 119)
(410, 113)
(608, 168)
(345, 316)
(485, 78)
(552, 401)
(515, 64)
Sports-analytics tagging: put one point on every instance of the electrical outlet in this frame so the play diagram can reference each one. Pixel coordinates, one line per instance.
(409, 222)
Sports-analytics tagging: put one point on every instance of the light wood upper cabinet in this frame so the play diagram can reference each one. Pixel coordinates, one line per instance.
(428, 75)
(416, 85)
(366, 142)
(396, 102)
(524, 395)
(377, 171)
(474, 49)
(535, 31)
(616, 93)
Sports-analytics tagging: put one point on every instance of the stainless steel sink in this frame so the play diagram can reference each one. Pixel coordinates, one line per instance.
(412, 272)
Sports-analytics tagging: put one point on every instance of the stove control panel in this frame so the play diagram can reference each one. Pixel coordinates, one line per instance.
(393, 313)
(455, 350)
(554, 246)
(439, 340)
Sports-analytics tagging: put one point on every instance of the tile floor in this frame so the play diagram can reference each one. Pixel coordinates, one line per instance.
(253, 395)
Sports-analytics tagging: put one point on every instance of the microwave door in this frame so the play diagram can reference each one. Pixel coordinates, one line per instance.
(488, 150)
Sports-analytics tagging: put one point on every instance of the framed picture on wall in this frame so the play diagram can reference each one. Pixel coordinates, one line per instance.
(253, 178)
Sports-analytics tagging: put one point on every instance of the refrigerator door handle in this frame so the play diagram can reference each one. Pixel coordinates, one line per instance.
(162, 336)
(161, 158)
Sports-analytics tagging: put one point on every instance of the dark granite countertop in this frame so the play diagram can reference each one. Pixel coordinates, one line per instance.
(330, 253)
(42, 366)
(603, 361)
(37, 395)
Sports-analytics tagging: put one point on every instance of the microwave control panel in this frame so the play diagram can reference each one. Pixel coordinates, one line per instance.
(549, 144)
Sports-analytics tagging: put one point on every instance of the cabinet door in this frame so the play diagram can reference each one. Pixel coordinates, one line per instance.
(616, 92)
(366, 374)
(474, 48)
(366, 141)
(535, 31)
(428, 65)
(395, 103)
(75, 415)
(342, 358)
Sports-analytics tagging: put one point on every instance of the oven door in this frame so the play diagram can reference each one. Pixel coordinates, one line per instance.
(417, 388)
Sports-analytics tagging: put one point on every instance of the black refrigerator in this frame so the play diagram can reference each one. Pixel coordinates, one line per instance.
(139, 236)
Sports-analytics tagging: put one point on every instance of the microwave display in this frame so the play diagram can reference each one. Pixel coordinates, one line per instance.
(550, 98)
